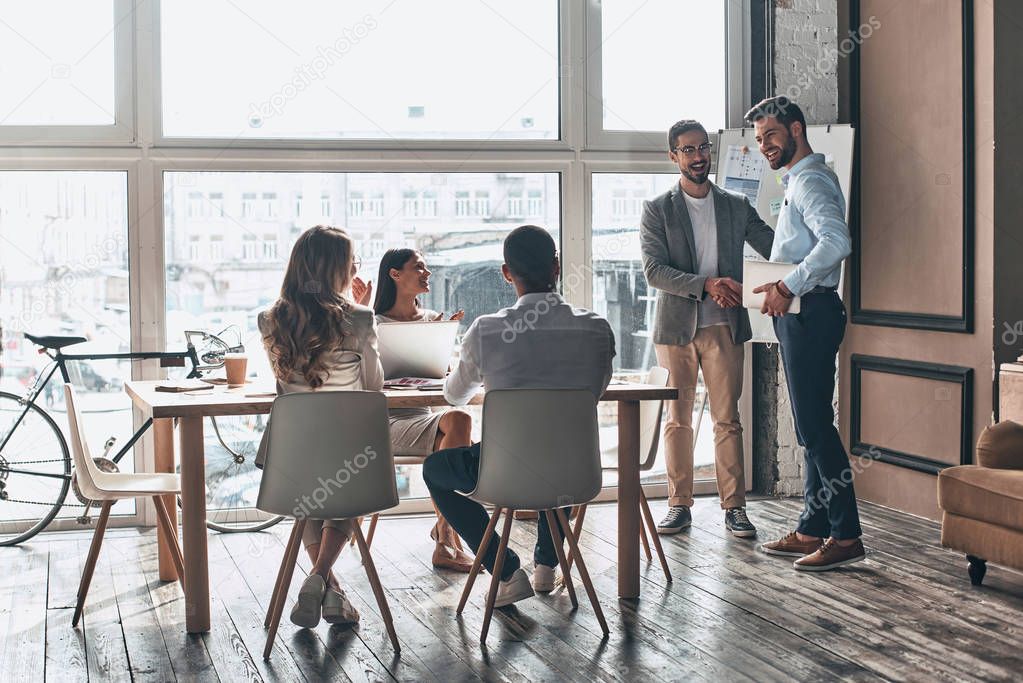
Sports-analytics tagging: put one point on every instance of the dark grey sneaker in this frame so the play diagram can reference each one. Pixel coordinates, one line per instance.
(677, 519)
(738, 523)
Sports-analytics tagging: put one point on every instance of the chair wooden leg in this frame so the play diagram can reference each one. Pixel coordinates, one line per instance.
(478, 561)
(566, 571)
(578, 530)
(372, 529)
(90, 561)
(280, 591)
(288, 569)
(170, 530)
(378, 590)
(585, 576)
(649, 519)
(495, 580)
(642, 537)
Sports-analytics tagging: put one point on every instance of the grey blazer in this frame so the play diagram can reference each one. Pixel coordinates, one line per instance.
(669, 259)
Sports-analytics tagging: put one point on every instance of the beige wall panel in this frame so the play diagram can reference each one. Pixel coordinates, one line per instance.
(911, 139)
(896, 487)
(913, 415)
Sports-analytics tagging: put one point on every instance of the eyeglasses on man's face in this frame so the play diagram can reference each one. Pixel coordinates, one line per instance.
(690, 150)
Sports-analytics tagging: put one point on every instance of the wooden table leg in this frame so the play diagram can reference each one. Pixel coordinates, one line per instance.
(193, 525)
(628, 499)
(163, 443)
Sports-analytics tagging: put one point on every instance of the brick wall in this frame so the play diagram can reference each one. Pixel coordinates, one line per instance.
(805, 69)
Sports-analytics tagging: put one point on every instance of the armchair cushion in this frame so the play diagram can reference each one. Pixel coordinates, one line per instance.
(982, 493)
(1000, 446)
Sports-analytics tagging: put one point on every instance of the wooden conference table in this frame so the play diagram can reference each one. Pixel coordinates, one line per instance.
(191, 408)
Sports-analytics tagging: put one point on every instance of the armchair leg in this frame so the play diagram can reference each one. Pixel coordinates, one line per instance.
(372, 529)
(642, 537)
(279, 589)
(90, 561)
(577, 530)
(496, 578)
(170, 529)
(585, 576)
(478, 561)
(977, 569)
(287, 571)
(648, 518)
(559, 549)
(378, 590)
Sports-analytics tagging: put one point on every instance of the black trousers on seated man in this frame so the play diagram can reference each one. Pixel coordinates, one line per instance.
(809, 345)
(452, 470)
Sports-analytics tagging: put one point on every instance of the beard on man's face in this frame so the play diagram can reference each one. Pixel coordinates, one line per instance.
(781, 156)
(697, 171)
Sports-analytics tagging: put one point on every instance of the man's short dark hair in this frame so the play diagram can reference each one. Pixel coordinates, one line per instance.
(782, 108)
(680, 128)
(530, 251)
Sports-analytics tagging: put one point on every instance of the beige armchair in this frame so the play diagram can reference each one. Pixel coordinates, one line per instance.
(982, 504)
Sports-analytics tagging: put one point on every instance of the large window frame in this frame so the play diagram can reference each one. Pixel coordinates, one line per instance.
(136, 145)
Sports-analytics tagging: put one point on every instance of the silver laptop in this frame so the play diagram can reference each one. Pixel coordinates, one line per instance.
(417, 349)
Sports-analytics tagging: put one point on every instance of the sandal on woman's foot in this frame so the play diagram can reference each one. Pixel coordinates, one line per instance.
(445, 557)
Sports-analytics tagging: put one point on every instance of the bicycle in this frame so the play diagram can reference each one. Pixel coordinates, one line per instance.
(35, 464)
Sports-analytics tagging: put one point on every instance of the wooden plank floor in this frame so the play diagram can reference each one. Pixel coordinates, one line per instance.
(732, 613)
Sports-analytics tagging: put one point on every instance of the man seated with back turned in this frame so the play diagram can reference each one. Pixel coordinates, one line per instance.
(540, 342)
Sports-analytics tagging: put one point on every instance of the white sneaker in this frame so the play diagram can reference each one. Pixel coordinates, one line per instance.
(306, 612)
(543, 578)
(514, 589)
(337, 609)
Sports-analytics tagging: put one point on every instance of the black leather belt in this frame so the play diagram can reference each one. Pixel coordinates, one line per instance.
(820, 289)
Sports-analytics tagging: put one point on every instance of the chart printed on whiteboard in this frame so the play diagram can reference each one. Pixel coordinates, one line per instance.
(742, 171)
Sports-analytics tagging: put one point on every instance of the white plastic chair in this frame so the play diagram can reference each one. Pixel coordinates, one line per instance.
(539, 451)
(650, 413)
(332, 448)
(110, 487)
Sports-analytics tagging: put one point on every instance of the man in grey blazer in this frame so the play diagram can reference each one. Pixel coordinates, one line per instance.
(692, 239)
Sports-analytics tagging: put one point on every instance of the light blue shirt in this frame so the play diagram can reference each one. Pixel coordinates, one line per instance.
(811, 230)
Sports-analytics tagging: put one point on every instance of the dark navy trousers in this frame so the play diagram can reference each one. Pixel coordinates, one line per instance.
(809, 349)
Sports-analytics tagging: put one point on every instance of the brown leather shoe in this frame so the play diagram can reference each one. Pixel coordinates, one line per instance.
(791, 546)
(831, 555)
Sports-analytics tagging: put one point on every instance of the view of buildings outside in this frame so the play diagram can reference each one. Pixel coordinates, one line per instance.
(64, 271)
(621, 295)
(229, 236)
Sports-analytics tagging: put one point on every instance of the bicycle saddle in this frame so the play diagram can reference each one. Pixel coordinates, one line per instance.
(54, 342)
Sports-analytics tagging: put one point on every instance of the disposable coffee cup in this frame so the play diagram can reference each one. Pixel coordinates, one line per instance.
(235, 365)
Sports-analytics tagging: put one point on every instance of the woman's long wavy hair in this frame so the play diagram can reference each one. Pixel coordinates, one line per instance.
(311, 317)
(387, 291)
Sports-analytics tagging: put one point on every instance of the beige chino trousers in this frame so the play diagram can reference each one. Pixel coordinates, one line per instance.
(713, 351)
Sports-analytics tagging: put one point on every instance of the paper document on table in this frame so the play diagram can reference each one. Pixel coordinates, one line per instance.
(742, 170)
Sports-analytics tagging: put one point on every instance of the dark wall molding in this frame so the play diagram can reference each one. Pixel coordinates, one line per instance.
(954, 374)
(905, 319)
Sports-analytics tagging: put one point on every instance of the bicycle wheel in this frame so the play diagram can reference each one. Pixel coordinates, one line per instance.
(232, 480)
(35, 470)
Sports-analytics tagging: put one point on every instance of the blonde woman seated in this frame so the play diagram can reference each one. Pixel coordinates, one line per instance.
(403, 278)
(319, 339)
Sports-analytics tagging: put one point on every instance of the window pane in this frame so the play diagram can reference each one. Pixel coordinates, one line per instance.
(57, 63)
(678, 44)
(620, 294)
(63, 271)
(263, 69)
(242, 249)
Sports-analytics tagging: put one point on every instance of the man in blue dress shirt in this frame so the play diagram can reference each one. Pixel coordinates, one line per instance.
(812, 233)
